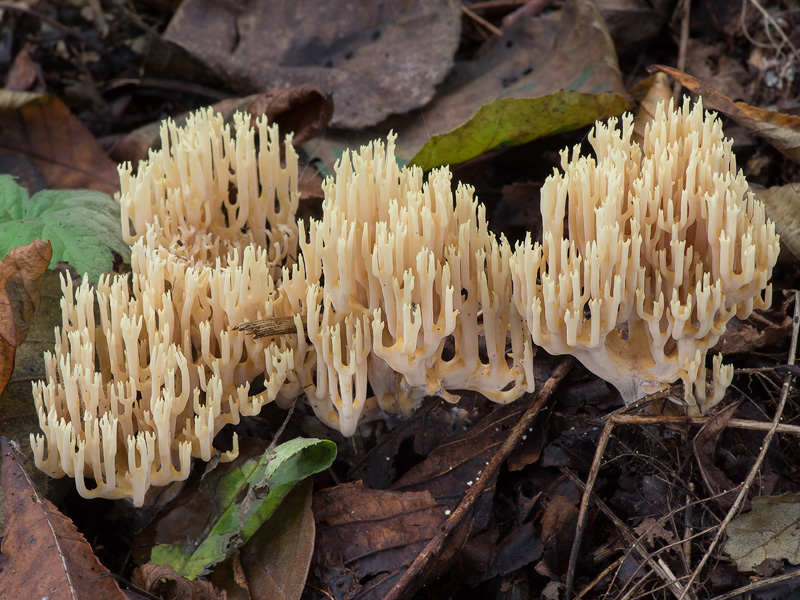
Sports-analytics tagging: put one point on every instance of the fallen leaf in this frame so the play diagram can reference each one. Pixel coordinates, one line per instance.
(164, 582)
(376, 58)
(24, 72)
(303, 110)
(652, 530)
(81, 225)
(514, 121)
(485, 557)
(782, 203)
(635, 21)
(239, 502)
(18, 418)
(21, 274)
(769, 531)
(713, 64)
(536, 80)
(705, 449)
(741, 337)
(277, 558)
(781, 130)
(558, 530)
(659, 91)
(371, 536)
(42, 128)
(42, 554)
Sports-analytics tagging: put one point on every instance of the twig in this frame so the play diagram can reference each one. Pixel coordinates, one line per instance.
(656, 563)
(683, 45)
(734, 510)
(584, 510)
(605, 436)
(761, 583)
(269, 327)
(768, 19)
(678, 420)
(436, 544)
(603, 574)
(479, 19)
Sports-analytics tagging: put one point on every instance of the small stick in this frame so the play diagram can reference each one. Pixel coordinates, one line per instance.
(683, 45)
(435, 545)
(479, 19)
(269, 327)
(734, 510)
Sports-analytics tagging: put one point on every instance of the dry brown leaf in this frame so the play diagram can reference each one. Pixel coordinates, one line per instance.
(304, 110)
(705, 448)
(21, 274)
(371, 535)
(558, 530)
(41, 128)
(164, 582)
(24, 72)
(377, 58)
(42, 554)
(635, 21)
(741, 337)
(781, 130)
(536, 57)
(714, 65)
(782, 203)
(652, 530)
(276, 559)
(659, 91)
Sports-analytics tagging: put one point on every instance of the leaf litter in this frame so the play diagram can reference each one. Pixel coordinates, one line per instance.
(658, 482)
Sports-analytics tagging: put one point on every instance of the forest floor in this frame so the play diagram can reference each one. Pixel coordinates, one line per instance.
(565, 493)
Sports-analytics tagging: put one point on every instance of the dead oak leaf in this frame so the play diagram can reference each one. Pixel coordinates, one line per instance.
(21, 274)
(42, 552)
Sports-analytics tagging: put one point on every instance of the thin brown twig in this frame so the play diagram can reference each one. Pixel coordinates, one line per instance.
(734, 510)
(683, 45)
(479, 19)
(655, 562)
(682, 420)
(435, 545)
(761, 583)
(768, 19)
(605, 436)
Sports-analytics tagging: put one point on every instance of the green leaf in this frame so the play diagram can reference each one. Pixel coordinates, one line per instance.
(514, 121)
(247, 497)
(81, 225)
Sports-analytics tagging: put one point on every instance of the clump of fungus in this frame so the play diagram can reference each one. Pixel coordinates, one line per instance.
(408, 291)
(665, 244)
(128, 401)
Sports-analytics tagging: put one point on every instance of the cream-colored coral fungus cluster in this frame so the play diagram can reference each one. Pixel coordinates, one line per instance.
(408, 291)
(399, 291)
(665, 244)
(129, 398)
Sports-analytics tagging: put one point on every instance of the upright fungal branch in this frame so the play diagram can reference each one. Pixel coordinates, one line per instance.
(208, 191)
(127, 401)
(409, 291)
(665, 244)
